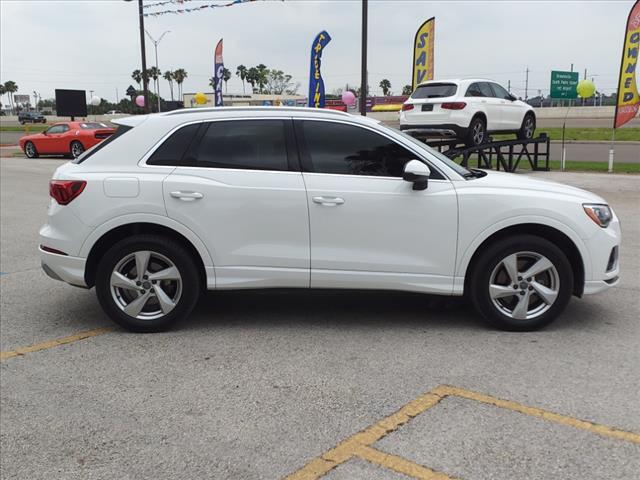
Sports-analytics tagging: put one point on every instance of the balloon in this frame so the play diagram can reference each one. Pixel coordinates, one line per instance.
(586, 88)
(200, 98)
(348, 98)
(95, 100)
(140, 100)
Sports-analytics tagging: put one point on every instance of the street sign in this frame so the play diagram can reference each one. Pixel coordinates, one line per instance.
(563, 84)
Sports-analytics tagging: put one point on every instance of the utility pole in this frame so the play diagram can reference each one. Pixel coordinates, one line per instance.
(526, 85)
(145, 80)
(509, 86)
(363, 77)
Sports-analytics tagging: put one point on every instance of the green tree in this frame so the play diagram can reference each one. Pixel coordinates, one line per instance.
(407, 90)
(179, 76)
(277, 83)
(252, 78)
(261, 78)
(226, 76)
(137, 77)
(154, 73)
(168, 76)
(385, 85)
(2, 92)
(241, 71)
(11, 87)
(212, 83)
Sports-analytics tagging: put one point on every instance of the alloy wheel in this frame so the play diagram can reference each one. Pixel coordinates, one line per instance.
(528, 127)
(478, 133)
(524, 285)
(30, 150)
(76, 149)
(146, 285)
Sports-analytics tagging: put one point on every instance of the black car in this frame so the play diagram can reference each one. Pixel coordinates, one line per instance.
(31, 117)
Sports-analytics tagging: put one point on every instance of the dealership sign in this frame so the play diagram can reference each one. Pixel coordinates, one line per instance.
(564, 84)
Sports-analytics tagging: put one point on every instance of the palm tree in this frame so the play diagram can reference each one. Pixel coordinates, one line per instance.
(407, 90)
(10, 87)
(137, 76)
(241, 72)
(155, 73)
(385, 85)
(212, 83)
(2, 92)
(252, 77)
(168, 76)
(226, 76)
(261, 79)
(179, 76)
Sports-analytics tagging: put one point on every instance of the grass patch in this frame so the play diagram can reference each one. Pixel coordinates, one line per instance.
(596, 166)
(31, 127)
(598, 134)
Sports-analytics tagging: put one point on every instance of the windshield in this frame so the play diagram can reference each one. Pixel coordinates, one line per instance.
(435, 90)
(459, 169)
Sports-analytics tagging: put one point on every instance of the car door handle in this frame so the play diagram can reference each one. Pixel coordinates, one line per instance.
(328, 201)
(187, 196)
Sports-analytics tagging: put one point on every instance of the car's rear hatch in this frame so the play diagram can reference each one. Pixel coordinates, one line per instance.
(425, 104)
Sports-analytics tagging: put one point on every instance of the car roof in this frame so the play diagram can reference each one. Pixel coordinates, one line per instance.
(186, 115)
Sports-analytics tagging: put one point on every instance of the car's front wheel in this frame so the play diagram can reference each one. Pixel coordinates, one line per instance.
(147, 283)
(528, 127)
(76, 149)
(521, 283)
(30, 150)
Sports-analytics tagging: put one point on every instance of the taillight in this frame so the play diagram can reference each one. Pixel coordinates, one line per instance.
(453, 105)
(407, 106)
(64, 191)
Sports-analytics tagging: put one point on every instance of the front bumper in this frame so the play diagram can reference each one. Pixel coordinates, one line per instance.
(64, 268)
(605, 273)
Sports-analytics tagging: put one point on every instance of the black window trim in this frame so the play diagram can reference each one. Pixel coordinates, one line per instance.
(307, 164)
(293, 158)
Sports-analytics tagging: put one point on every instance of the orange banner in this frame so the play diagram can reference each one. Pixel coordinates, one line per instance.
(628, 101)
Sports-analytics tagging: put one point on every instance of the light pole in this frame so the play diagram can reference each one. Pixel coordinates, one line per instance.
(363, 74)
(145, 80)
(155, 45)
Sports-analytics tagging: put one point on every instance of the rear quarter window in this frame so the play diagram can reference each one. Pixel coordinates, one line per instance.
(174, 148)
(121, 130)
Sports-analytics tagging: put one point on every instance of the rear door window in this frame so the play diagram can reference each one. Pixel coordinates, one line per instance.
(435, 90)
(242, 144)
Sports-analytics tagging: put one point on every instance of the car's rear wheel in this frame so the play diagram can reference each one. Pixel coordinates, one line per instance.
(521, 283)
(30, 150)
(147, 283)
(477, 132)
(76, 149)
(528, 127)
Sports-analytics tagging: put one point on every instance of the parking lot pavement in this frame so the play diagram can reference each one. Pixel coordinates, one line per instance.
(260, 385)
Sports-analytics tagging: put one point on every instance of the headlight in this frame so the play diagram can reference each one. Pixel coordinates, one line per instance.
(599, 213)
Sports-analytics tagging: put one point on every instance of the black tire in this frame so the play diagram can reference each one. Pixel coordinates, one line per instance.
(171, 250)
(30, 150)
(492, 260)
(528, 127)
(477, 132)
(76, 149)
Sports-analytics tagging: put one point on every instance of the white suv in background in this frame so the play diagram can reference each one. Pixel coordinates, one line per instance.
(467, 109)
(227, 198)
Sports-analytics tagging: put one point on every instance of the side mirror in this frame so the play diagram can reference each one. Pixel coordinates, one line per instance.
(44, 132)
(418, 173)
(513, 98)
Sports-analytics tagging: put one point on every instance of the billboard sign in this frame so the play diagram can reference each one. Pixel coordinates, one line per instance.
(71, 103)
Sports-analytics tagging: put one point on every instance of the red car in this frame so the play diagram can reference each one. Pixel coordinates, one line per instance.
(65, 138)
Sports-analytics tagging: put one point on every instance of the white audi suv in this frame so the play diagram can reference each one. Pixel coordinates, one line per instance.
(467, 109)
(230, 198)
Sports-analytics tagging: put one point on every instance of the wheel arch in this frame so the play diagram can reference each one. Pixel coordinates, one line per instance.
(117, 233)
(555, 235)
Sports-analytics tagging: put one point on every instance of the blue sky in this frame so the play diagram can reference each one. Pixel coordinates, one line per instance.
(94, 44)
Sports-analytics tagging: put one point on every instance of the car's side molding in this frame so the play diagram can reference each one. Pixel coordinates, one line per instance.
(167, 222)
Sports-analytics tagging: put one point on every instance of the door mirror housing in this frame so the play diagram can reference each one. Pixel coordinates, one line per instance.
(418, 173)
(512, 97)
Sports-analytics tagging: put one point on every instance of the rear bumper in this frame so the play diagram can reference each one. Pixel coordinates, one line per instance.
(444, 130)
(64, 268)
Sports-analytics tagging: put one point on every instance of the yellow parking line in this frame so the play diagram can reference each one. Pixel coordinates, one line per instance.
(53, 343)
(348, 448)
(359, 445)
(599, 429)
(400, 465)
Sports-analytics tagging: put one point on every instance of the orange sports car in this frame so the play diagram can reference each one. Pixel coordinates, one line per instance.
(65, 138)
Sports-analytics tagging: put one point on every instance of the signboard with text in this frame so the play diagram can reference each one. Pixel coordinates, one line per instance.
(564, 84)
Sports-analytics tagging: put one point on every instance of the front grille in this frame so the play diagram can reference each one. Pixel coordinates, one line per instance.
(613, 259)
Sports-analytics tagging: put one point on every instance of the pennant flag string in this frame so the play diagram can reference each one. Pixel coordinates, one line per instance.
(195, 9)
(165, 2)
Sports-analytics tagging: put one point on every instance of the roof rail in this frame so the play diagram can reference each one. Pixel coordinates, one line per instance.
(253, 109)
